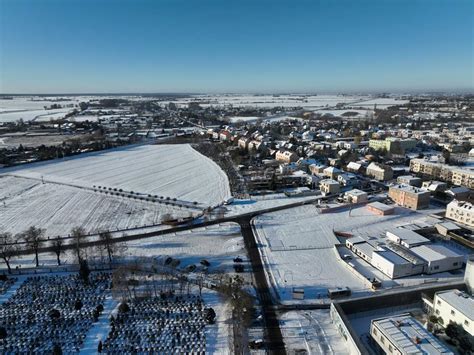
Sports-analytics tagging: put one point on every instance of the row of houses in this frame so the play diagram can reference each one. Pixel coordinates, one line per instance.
(455, 175)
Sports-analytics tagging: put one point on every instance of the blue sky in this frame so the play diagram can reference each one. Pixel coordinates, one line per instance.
(79, 46)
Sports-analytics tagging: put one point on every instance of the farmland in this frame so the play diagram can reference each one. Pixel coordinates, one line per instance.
(59, 208)
(175, 171)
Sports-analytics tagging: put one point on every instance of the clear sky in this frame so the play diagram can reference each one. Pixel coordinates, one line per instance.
(85, 46)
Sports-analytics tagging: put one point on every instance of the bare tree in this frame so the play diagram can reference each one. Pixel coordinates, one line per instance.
(34, 239)
(57, 245)
(7, 249)
(108, 244)
(78, 235)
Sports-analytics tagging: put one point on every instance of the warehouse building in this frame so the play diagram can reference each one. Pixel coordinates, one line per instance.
(403, 334)
(438, 258)
(394, 265)
(361, 248)
(406, 237)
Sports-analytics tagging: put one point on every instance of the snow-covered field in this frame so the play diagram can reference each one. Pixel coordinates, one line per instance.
(218, 244)
(33, 115)
(59, 208)
(313, 331)
(176, 171)
(30, 108)
(260, 101)
(380, 102)
(298, 247)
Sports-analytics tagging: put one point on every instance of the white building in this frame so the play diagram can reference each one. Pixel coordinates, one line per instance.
(456, 307)
(394, 265)
(403, 334)
(461, 211)
(406, 237)
(438, 258)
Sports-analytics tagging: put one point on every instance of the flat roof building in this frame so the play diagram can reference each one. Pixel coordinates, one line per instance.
(403, 334)
(394, 265)
(438, 258)
(380, 208)
(357, 196)
(406, 237)
(455, 306)
(409, 196)
(461, 211)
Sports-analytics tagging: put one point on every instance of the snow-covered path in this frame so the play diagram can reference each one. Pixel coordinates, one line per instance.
(100, 330)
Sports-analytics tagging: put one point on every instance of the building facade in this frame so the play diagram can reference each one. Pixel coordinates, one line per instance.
(409, 196)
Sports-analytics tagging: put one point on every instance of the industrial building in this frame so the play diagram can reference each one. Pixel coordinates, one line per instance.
(409, 196)
(456, 307)
(361, 248)
(406, 237)
(438, 258)
(394, 265)
(403, 334)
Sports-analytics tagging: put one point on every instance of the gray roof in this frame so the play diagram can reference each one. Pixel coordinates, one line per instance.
(403, 329)
(459, 300)
(393, 257)
(408, 236)
(381, 206)
(433, 252)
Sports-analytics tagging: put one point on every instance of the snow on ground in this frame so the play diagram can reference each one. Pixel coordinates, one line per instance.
(234, 119)
(29, 103)
(100, 329)
(339, 113)
(380, 102)
(218, 244)
(312, 331)
(297, 245)
(218, 335)
(33, 115)
(176, 171)
(59, 208)
(257, 203)
(259, 101)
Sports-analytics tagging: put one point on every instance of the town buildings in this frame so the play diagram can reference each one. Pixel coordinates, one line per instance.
(409, 196)
(461, 211)
(453, 174)
(455, 306)
(379, 172)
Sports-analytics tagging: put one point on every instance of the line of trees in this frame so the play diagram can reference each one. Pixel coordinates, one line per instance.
(34, 239)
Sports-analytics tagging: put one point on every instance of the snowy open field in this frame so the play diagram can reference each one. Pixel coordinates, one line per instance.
(260, 101)
(313, 331)
(298, 247)
(380, 102)
(31, 108)
(176, 171)
(219, 244)
(59, 208)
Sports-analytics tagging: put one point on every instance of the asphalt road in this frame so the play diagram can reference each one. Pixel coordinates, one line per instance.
(273, 337)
